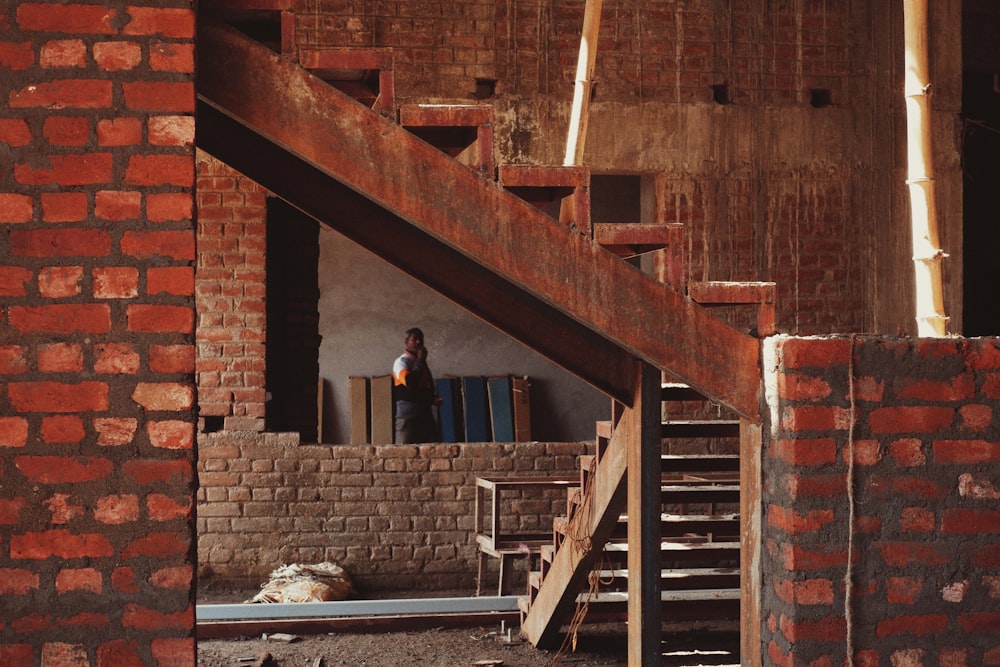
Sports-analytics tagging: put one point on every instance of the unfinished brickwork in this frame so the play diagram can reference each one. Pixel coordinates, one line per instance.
(882, 502)
(397, 517)
(97, 399)
(230, 288)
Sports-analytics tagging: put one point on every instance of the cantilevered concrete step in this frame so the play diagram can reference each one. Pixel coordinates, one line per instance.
(678, 464)
(676, 579)
(627, 239)
(546, 186)
(364, 73)
(453, 129)
(723, 293)
(680, 551)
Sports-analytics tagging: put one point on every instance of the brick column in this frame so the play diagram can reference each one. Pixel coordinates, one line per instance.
(881, 531)
(96, 333)
(231, 330)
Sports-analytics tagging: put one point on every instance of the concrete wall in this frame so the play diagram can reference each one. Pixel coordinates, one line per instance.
(881, 502)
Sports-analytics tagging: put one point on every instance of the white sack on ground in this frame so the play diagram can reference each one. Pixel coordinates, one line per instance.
(320, 582)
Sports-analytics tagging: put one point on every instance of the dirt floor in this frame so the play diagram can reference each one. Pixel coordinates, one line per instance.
(597, 645)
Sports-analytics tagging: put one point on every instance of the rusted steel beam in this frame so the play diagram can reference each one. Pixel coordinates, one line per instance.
(345, 58)
(523, 316)
(246, 5)
(494, 229)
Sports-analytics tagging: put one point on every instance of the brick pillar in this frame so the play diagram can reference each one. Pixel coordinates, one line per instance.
(231, 330)
(96, 333)
(881, 529)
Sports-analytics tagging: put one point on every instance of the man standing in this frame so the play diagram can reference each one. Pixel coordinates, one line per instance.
(413, 391)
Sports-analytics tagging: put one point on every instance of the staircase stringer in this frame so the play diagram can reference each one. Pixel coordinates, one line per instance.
(590, 528)
(473, 216)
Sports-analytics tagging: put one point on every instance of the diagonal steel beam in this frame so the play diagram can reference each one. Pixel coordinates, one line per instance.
(458, 209)
(524, 317)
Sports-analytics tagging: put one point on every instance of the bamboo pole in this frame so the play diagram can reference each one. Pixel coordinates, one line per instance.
(577, 135)
(927, 253)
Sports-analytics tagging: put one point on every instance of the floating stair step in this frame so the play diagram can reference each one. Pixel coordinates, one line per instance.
(714, 428)
(546, 187)
(700, 493)
(682, 551)
(675, 391)
(695, 463)
(453, 128)
(676, 579)
(627, 239)
(542, 176)
(672, 525)
(721, 293)
(363, 73)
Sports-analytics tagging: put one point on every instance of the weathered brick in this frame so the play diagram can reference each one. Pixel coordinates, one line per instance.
(976, 418)
(965, 451)
(65, 654)
(178, 245)
(170, 396)
(10, 511)
(63, 53)
(146, 471)
(116, 282)
(162, 96)
(970, 522)
(117, 509)
(903, 590)
(829, 629)
(118, 205)
(797, 387)
(115, 430)
(16, 208)
(60, 358)
(907, 452)
(116, 358)
(14, 279)
(117, 56)
(120, 652)
(64, 206)
(58, 396)
(904, 554)
(119, 131)
(177, 23)
(63, 469)
(160, 170)
(59, 282)
(85, 579)
(61, 318)
(172, 434)
(159, 545)
(171, 358)
(172, 131)
(16, 55)
(68, 18)
(13, 132)
(804, 452)
(123, 579)
(15, 581)
(168, 650)
(972, 486)
(796, 558)
(64, 94)
(176, 280)
(798, 354)
(61, 544)
(911, 419)
(160, 319)
(917, 520)
(795, 523)
(62, 429)
(70, 242)
(915, 625)
(902, 486)
(13, 360)
(815, 418)
(171, 57)
(164, 508)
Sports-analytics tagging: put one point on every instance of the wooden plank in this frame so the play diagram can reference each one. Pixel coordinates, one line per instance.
(475, 410)
(358, 391)
(521, 395)
(501, 408)
(382, 429)
(751, 518)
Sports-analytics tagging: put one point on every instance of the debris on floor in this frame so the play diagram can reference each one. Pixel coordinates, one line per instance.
(319, 582)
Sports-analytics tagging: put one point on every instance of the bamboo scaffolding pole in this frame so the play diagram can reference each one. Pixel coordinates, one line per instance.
(577, 135)
(927, 253)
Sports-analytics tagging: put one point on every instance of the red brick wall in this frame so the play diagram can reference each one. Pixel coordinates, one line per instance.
(882, 471)
(230, 288)
(96, 332)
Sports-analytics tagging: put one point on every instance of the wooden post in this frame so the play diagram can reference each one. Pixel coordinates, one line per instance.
(643, 507)
(927, 253)
(584, 83)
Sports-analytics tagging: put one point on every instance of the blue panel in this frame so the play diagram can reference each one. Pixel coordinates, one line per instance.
(477, 427)
(501, 410)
